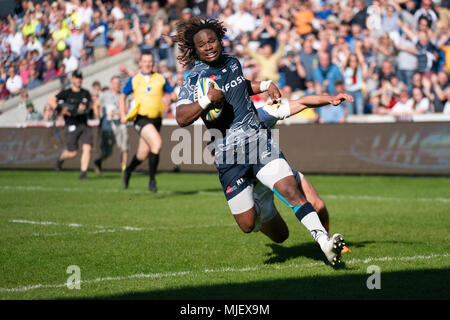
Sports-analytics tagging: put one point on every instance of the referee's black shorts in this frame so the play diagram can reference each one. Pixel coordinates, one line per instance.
(142, 121)
(77, 133)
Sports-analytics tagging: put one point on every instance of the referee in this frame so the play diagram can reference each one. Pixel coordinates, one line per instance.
(75, 105)
(147, 88)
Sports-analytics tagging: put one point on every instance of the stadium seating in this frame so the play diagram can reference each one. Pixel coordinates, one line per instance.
(12, 116)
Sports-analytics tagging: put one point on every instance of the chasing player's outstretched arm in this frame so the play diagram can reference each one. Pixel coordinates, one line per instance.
(316, 101)
(189, 112)
(270, 114)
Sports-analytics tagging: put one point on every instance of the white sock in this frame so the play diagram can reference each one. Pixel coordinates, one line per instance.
(312, 222)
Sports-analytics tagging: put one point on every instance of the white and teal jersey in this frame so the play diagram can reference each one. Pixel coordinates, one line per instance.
(270, 114)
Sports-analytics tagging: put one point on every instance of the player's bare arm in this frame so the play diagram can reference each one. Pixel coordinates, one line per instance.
(255, 87)
(189, 112)
(316, 101)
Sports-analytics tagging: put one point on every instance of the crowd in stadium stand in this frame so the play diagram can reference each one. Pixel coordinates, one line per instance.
(392, 56)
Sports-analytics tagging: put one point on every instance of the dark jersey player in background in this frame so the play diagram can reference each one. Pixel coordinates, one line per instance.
(244, 151)
(75, 105)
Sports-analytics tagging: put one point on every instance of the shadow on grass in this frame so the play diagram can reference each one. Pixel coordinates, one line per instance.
(417, 284)
(392, 242)
(281, 253)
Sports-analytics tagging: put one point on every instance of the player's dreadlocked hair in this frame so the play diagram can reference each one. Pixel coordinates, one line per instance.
(185, 36)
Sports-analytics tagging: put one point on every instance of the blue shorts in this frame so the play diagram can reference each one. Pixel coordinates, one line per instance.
(238, 181)
(241, 165)
(236, 177)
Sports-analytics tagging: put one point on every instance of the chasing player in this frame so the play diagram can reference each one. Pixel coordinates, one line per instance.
(244, 150)
(264, 200)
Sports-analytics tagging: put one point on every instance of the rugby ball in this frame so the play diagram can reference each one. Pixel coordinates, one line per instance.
(213, 114)
(201, 89)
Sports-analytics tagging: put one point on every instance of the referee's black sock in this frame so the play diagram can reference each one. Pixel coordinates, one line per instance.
(133, 164)
(153, 161)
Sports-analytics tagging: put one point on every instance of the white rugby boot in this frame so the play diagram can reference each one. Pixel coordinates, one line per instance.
(332, 248)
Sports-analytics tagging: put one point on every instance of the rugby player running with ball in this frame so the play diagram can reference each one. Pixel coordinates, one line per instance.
(244, 150)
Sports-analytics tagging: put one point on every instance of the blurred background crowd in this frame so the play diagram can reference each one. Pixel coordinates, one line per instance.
(392, 56)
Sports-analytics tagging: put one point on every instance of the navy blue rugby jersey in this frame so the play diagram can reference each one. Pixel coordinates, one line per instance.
(238, 121)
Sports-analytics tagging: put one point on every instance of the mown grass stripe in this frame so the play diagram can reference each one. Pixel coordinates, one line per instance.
(222, 270)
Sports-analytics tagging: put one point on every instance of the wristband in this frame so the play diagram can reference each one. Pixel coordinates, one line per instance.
(284, 111)
(264, 85)
(204, 102)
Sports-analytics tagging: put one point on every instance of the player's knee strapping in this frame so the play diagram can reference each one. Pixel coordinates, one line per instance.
(299, 211)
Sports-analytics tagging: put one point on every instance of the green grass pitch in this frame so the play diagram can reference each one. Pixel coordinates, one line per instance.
(183, 243)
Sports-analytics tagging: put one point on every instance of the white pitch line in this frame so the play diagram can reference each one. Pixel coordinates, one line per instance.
(222, 270)
(379, 198)
(104, 229)
(72, 225)
(217, 193)
(110, 190)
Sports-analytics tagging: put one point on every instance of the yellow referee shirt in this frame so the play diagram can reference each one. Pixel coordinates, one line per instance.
(148, 91)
